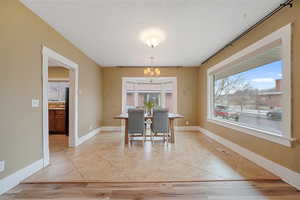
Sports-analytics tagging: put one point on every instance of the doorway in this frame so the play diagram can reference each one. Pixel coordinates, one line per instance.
(49, 58)
(58, 106)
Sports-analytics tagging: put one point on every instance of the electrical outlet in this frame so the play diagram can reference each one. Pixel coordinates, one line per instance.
(35, 103)
(2, 165)
(90, 127)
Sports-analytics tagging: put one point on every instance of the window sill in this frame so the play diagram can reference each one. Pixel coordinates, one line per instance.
(273, 137)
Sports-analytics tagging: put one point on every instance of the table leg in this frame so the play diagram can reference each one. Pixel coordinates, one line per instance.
(126, 132)
(172, 130)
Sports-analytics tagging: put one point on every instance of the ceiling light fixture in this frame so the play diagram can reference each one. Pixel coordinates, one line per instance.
(151, 71)
(153, 42)
(152, 37)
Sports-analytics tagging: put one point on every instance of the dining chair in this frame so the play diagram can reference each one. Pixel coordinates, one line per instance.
(136, 122)
(160, 123)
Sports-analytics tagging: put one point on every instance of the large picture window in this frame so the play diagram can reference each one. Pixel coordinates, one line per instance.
(250, 91)
(252, 98)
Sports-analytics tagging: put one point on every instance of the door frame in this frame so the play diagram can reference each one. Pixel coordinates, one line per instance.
(73, 107)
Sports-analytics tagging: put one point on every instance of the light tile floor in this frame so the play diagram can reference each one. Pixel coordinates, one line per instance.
(194, 157)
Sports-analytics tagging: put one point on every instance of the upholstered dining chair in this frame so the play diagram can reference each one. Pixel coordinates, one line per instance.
(136, 122)
(160, 123)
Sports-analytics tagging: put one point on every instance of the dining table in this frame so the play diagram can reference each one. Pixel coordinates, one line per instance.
(172, 117)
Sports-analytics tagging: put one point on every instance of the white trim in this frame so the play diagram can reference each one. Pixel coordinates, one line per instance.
(136, 99)
(14, 179)
(59, 79)
(123, 95)
(53, 54)
(73, 113)
(186, 128)
(255, 132)
(144, 91)
(88, 136)
(285, 35)
(111, 128)
(287, 175)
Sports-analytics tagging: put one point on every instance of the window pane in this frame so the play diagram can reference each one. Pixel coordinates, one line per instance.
(251, 98)
(57, 91)
(130, 99)
(138, 92)
(152, 97)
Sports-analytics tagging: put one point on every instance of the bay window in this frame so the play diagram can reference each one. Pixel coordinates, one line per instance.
(139, 90)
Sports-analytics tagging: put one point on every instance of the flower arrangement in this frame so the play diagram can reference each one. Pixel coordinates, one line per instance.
(149, 106)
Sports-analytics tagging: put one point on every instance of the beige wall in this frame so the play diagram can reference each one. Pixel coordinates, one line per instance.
(22, 35)
(58, 73)
(288, 157)
(186, 86)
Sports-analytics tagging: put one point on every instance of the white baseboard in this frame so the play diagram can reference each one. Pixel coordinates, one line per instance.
(177, 128)
(186, 128)
(111, 128)
(87, 136)
(14, 179)
(287, 175)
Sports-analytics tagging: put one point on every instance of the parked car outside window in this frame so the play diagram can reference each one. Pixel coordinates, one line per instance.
(275, 115)
(226, 113)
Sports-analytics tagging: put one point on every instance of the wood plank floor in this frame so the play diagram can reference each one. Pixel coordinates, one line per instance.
(210, 190)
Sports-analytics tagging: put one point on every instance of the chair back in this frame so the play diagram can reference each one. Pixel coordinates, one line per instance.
(160, 121)
(136, 121)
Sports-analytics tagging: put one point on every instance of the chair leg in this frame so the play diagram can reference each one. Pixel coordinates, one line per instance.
(167, 134)
(130, 140)
(151, 136)
(167, 139)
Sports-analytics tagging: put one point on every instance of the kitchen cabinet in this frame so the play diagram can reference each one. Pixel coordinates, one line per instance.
(57, 121)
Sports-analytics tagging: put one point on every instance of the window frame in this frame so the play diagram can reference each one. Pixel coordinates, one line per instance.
(173, 79)
(285, 35)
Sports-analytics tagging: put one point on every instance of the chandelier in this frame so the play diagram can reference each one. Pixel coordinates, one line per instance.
(152, 42)
(151, 71)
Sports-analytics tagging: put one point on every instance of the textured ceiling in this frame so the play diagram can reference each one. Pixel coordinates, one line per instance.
(109, 31)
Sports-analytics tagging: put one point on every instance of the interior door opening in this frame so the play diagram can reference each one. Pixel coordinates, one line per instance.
(60, 103)
(58, 106)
